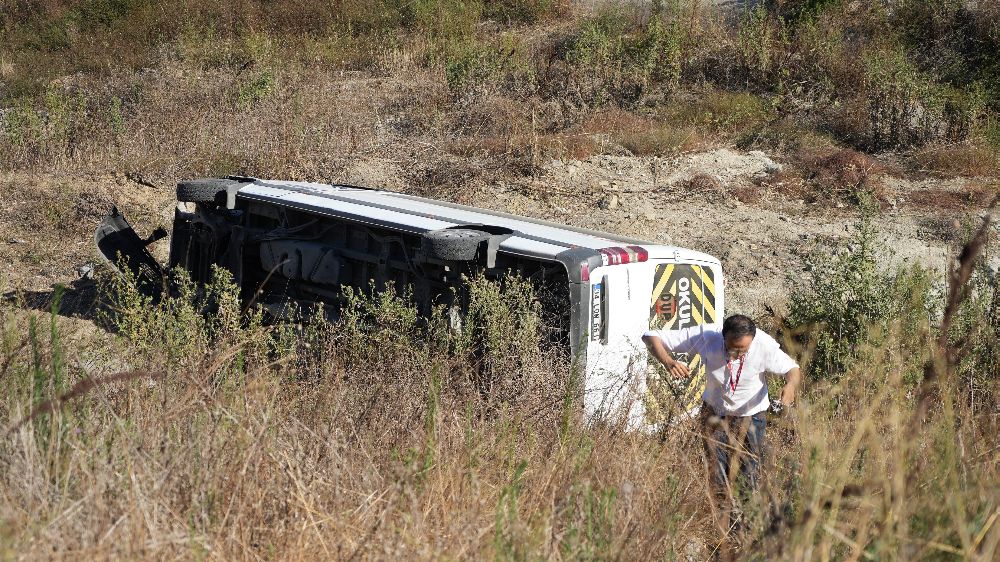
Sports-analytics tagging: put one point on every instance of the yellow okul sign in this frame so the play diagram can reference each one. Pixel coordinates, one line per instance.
(683, 296)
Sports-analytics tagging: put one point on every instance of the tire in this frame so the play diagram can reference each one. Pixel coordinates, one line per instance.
(205, 190)
(454, 244)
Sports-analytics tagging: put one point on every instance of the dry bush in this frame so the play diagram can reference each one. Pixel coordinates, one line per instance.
(968, 160)
(660, 140)
(788, 184)
(301, 90)
(844, 174)
(284, 122)
(748, 193)
(444, 178)
(498, 130)
(519, 137)
(642, 135)
(971, 196)
(704, 185)
(709, 187)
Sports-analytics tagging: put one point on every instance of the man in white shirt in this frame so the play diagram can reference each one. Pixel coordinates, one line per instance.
(737, 361)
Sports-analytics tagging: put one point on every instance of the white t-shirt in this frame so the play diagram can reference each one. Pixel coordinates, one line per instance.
(764, 356)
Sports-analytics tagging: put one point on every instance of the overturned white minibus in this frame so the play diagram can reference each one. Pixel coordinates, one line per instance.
(304, 242)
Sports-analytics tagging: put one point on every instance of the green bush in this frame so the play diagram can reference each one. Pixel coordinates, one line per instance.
(613, 59)
(442, 19)
(976, 332)
(475, 68)
(756, 41)
(501, 332)
(383, 322)
(852, 300)
(49, 127)
(803, 11)
(253, 91)
(938, 34)
(908, 108)
(181, 327)
(591, 519)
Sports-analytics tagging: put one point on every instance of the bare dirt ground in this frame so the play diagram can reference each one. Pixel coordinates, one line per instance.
(762, 243)
(711, 201)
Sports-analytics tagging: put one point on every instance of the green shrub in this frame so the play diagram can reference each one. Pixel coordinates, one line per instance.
(382, 322)
(442, 19)
(49, 127)
(253, 91)
(757, 36)
(179, 328)
(475, 68)
(803, 11)
(976, 332)
(851, 300)
(612, 59)
(907, 108)
(590, 521)
(501, 332)
(938, 34)
(116, 117)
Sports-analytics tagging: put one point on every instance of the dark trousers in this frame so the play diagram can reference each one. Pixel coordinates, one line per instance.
(735, 448)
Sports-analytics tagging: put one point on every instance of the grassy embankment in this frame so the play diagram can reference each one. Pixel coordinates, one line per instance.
(381, 436)
(456, 91)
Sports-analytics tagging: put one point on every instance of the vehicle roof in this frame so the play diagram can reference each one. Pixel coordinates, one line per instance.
(400, 211)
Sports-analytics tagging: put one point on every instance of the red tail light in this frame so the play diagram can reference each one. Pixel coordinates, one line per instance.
(641, 254)
(616, 255)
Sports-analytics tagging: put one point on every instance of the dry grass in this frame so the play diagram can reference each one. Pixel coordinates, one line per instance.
(316, 452)
(966, 160)
(708, 187)
(498, 85)
(364, 440)
(973, 196)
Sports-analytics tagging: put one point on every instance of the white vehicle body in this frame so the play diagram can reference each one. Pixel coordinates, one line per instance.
(617, 287)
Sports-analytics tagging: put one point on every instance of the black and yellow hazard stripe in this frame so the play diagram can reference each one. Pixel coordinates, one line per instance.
(695, 386)
(703, 293)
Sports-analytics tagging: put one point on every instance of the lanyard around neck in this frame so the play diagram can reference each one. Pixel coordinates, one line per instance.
(733, 383)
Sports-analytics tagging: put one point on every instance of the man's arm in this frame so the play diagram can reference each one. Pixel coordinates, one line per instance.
(793, 378)
(662, 354)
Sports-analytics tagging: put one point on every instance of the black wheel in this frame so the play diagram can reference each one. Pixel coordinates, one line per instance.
(454, 244)
(204, 190)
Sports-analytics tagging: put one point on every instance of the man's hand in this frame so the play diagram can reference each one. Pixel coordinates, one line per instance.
(794, 377)
(677, 369)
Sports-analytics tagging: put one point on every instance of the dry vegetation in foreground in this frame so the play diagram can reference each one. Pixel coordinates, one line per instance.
(384, 436)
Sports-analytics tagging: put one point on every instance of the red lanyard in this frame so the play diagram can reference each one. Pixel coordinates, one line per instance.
(729, 367)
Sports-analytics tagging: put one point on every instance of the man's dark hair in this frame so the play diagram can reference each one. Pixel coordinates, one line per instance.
(737, 326)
